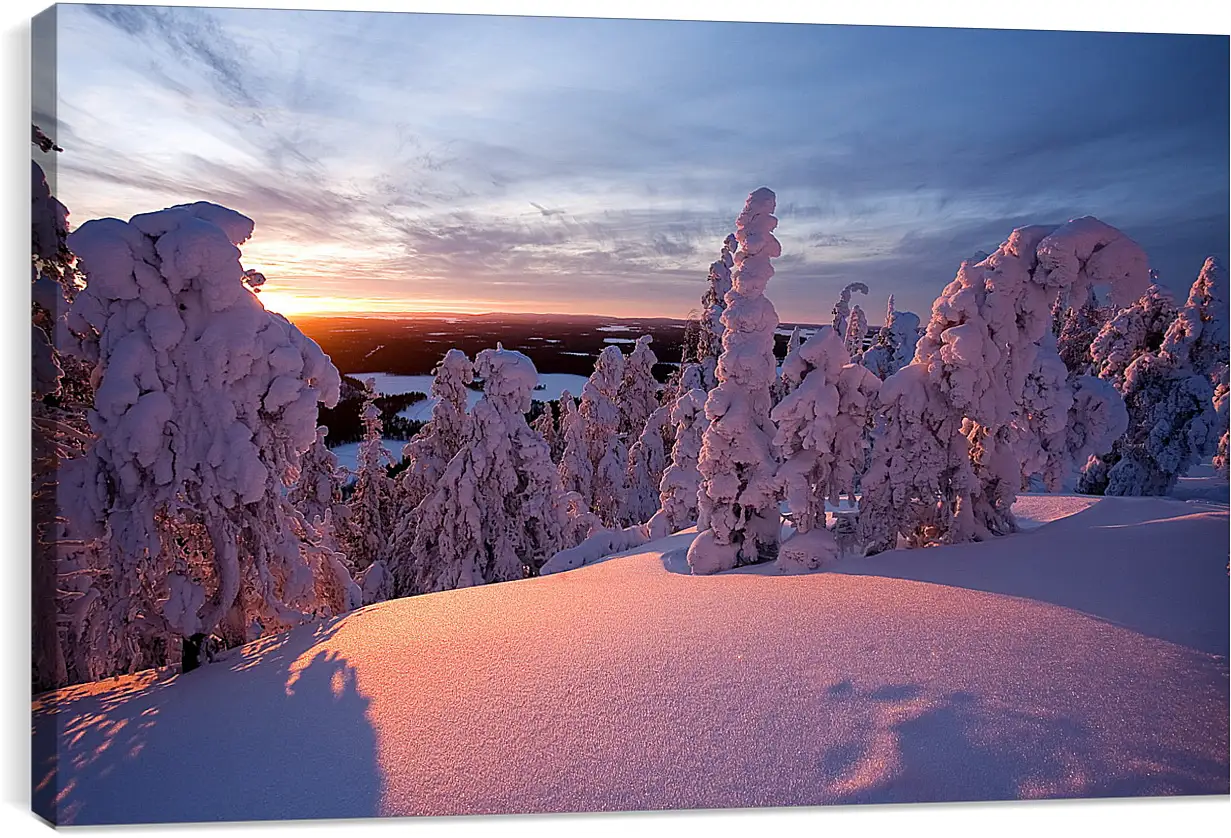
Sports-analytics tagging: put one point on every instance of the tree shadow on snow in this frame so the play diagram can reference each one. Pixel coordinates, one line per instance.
(288, 740)
(1155, 566)
(915, 748)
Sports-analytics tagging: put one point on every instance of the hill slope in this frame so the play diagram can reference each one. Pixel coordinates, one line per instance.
(1086, 656)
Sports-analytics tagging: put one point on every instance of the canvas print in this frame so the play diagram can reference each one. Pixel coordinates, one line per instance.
(463, 415)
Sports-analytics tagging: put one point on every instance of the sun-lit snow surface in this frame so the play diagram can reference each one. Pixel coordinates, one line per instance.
(1202, 483)
(388, 384)
(1084, 657)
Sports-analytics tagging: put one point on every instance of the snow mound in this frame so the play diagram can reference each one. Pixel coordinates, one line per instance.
(1077, 659)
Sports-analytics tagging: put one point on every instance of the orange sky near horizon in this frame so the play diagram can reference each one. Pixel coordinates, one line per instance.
(278, 297)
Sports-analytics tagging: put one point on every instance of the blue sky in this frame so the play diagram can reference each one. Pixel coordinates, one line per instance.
(466, 163)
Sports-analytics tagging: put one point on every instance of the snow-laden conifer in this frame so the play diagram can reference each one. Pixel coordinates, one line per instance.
(569, 423)
(647, 459)
(713, 302)
(317, 491)
(806, 423)
(842, 308)
(1079, 327)
(545, 425)
(1222, 407)
(498, 511)
(1168, 392)
(638, 392)
(947, 465)
(595, 459)
(430, 451)
(1200, 330)
(371, 509)
(203, 404)
(856, 329)
(681, 479)
(1134, 330)
(894, 346)
(738, 519)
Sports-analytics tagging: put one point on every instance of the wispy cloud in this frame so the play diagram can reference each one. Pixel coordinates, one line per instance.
(596, 165)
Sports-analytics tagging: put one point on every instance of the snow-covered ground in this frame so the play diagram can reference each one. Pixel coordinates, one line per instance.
(1202, 483)
(388, 384)
(1084, 657)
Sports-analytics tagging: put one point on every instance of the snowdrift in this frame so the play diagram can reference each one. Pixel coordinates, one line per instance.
(1084, 657)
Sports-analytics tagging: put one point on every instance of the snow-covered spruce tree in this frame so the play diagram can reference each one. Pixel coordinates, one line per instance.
(498, 511)
(580, 522)
(545, 426)
(738, 518)
(713, 302)
(429, 452)
(1096, 419)
(595, 458)
(856, 329)
(681, 479)
(794, 341)
(920, 460)
(783, 384)
(1222, 407)
(574, 466)
(568, 418)
(688, 376)
(948, 463)
(647, 459)
(858, 400)
(1046, 402)
(317, 491)
(372, 508)
(1172, 424)
(203, 404)
(1200, 330)
(821, 438)
(842, 308)
(1134, 330)
(638, 393)
(691, 341)
(1079, 327)
(59, 426)
(806, 422)
(1169, 395)
(894, 346)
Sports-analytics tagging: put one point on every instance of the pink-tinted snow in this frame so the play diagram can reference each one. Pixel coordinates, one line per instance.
(1084, 657)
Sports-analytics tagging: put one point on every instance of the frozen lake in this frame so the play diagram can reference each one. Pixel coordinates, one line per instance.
(552, 384)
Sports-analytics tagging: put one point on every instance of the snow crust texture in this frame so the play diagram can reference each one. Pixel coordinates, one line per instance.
(1068, 661)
